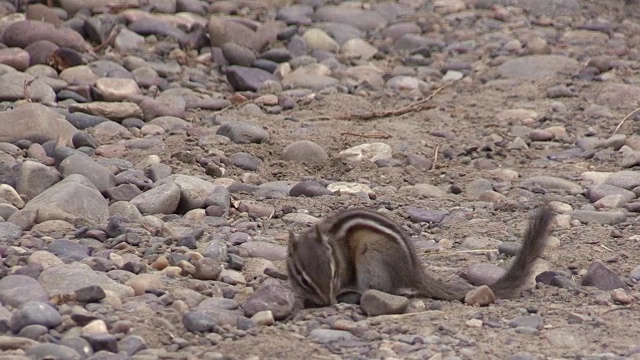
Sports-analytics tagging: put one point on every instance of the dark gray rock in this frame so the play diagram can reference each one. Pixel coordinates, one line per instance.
(245, 161)
(33, 331)
(531, 321)
(34, 313)
(247, 79)
(80, 345)
(49, 351)
(198, 321)
(600, 276)
(376, 303)
(418, 215)
(67, 250)
(242, 132)
(132, 344)
(99, 342)
(325, 336)
(90, 294)
(124, 192)
(23, 33)
(149, 26)
(81, 139)
(237, 55)
(309, 188)
(276, 298)
(83, 121)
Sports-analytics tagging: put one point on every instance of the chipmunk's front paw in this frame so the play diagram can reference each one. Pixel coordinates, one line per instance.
(349, 297)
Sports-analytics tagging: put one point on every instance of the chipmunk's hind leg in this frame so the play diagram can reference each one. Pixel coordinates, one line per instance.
(371, 273)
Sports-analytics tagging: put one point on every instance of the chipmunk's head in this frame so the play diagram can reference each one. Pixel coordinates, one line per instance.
(311, 267)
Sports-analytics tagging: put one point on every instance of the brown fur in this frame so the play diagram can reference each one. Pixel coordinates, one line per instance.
(370, 251)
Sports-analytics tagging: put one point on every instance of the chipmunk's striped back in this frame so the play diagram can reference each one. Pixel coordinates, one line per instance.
(344, 226)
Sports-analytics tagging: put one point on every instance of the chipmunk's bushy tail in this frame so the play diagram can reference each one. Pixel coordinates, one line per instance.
(533, 244)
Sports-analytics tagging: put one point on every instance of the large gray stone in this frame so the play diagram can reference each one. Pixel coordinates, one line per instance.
(625, 179)
(72, 198)
(223, 30)
(100, 176)
(193, 191)
(276, 298)
(23, 33)
(13, 88)
(551, 8)
(34, 178)
(304, 150)
(162, 199)
(37, 123)
(247, 79)
(16, 290)
(242, 133)
(9, 231)
(64, 279)
(365, 20)
(537, 66)
(52, 351)
(35, 313)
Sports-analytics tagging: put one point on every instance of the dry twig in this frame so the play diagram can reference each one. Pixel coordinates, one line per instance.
(25, 88)
(112, 35)
(622, 308)
(368, 135)
(417, 106)
(435, 156)
(481, 251)
(315, 118)
(225, 109)
(604, 247)
(625, 119)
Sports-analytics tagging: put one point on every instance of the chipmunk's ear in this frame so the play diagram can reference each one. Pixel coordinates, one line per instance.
(319, 237)
(293, 242)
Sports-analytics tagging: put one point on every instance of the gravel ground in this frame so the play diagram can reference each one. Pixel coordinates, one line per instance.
(155, 154)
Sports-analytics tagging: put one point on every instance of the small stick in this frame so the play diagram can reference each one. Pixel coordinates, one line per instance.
(417, 106)
(435, 156)
(225, 109)
(460, 251)
(603, 246)
(26, 86)
(114, 32)
(371, 136)
(625, 119)
(615, 309)
(313, 118)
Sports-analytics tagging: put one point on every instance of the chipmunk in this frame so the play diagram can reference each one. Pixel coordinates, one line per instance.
(358, 249)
